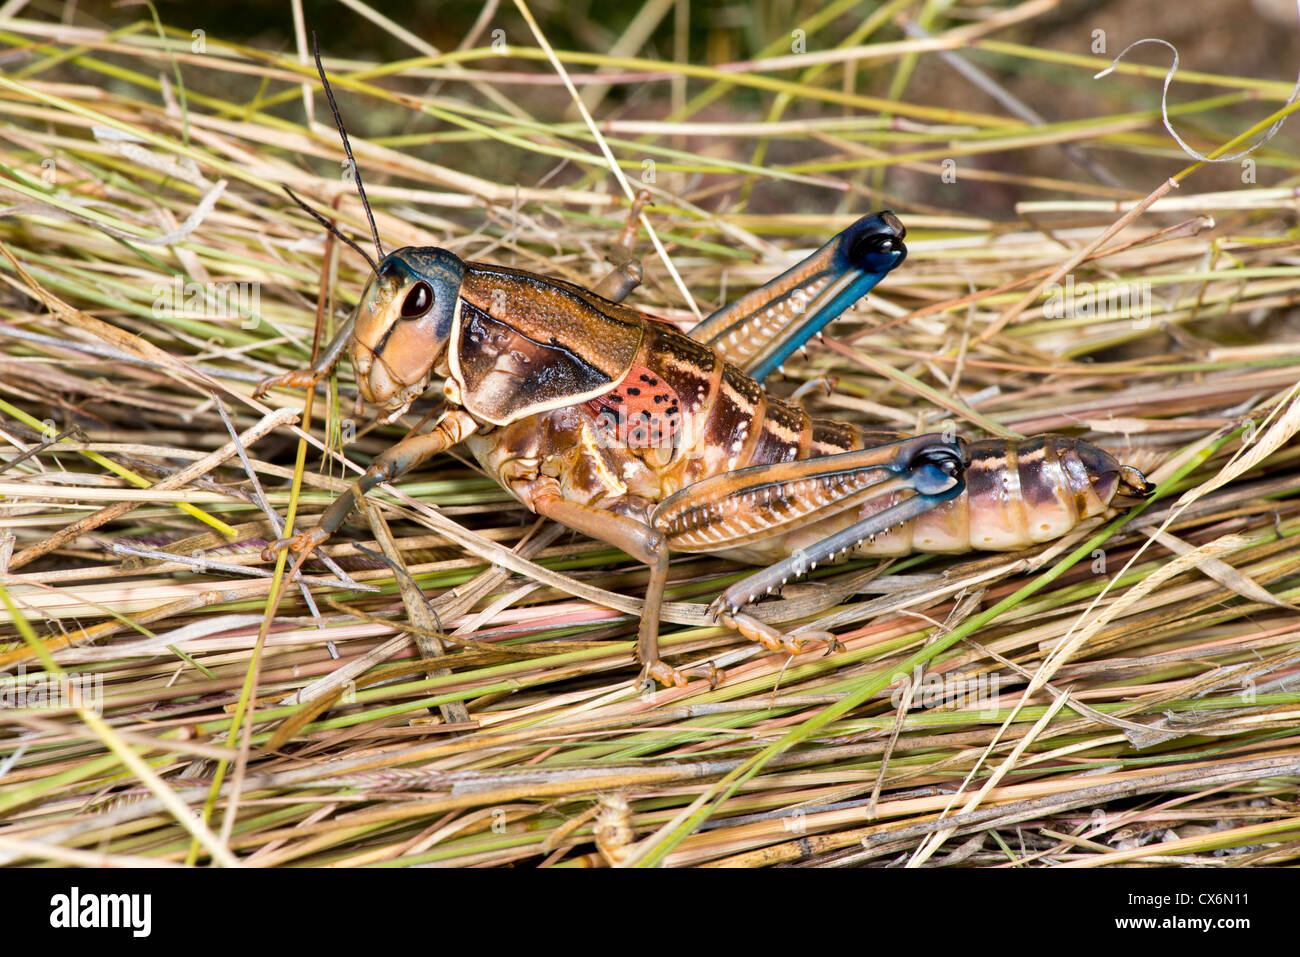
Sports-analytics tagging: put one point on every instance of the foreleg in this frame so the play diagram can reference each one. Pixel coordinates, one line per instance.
(626, 274)
(450, 430)
(307, 378)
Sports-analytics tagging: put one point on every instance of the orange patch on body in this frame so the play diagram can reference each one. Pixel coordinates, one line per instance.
(642, 411)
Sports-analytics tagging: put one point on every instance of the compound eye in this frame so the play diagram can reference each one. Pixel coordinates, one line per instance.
(417, 301)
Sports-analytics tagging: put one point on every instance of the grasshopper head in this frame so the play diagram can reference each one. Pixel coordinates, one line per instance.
(404, 320)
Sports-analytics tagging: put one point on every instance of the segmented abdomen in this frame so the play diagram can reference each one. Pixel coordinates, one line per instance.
(1018, 493)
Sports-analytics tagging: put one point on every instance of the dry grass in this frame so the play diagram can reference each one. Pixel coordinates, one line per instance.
(1132, 692)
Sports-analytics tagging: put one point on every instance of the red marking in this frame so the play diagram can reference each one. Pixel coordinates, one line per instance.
(640, 412)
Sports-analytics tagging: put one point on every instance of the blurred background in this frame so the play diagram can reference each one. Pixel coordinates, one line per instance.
(1239, 38)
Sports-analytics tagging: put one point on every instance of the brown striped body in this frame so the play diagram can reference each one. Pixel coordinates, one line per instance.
(619, 426)
(1017, 493)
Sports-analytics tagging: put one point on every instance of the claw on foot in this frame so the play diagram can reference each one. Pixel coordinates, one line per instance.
(297, 379)
(828, 383)
(832, 643)
(302, 544)
(669, 676)
(663, 673)
(710, 672)
(764, 634)
(720, 606)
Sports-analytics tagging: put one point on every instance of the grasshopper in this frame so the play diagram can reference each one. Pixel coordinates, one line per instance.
(622, 427)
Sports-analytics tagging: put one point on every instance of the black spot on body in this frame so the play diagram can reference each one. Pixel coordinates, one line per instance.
(633, 390)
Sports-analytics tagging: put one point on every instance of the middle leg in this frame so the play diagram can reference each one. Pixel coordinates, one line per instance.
(643, 543)
(626, 274)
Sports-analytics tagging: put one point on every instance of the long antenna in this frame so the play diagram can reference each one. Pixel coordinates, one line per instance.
(331, 227)
(347, 147)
